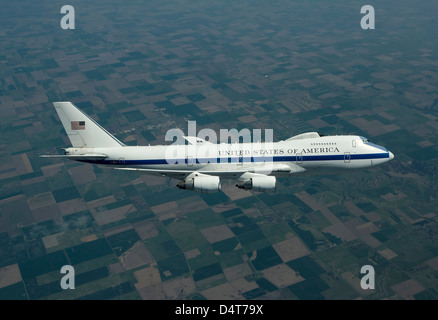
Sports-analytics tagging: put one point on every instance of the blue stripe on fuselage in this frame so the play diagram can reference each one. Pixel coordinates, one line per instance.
(244, 159)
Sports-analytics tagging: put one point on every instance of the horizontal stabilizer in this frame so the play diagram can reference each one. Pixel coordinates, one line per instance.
(86, 156)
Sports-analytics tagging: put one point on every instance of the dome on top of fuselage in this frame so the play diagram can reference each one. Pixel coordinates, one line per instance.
(306, 135)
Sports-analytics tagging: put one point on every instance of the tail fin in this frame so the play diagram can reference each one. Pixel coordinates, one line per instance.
(82, 130)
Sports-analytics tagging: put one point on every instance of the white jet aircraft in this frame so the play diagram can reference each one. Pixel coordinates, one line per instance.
(200, 164)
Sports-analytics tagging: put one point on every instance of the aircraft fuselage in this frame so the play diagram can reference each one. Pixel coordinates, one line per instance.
(326, 152)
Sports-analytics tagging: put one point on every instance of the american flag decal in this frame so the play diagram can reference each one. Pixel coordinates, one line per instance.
(78, 125)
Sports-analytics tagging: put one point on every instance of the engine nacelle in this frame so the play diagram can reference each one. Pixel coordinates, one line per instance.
(203, 184)
(263, 184)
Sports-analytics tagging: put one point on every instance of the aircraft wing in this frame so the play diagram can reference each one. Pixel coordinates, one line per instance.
(242, 172)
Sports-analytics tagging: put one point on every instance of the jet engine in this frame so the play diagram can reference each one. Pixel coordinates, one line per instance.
(203, 184)
(263, 184)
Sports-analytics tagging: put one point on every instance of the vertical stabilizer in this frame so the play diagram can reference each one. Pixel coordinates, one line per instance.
(82, 130)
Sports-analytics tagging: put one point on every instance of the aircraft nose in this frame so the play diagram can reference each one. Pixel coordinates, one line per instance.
(391, 155)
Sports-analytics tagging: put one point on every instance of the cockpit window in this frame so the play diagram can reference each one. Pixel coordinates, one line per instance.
(369, 143)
